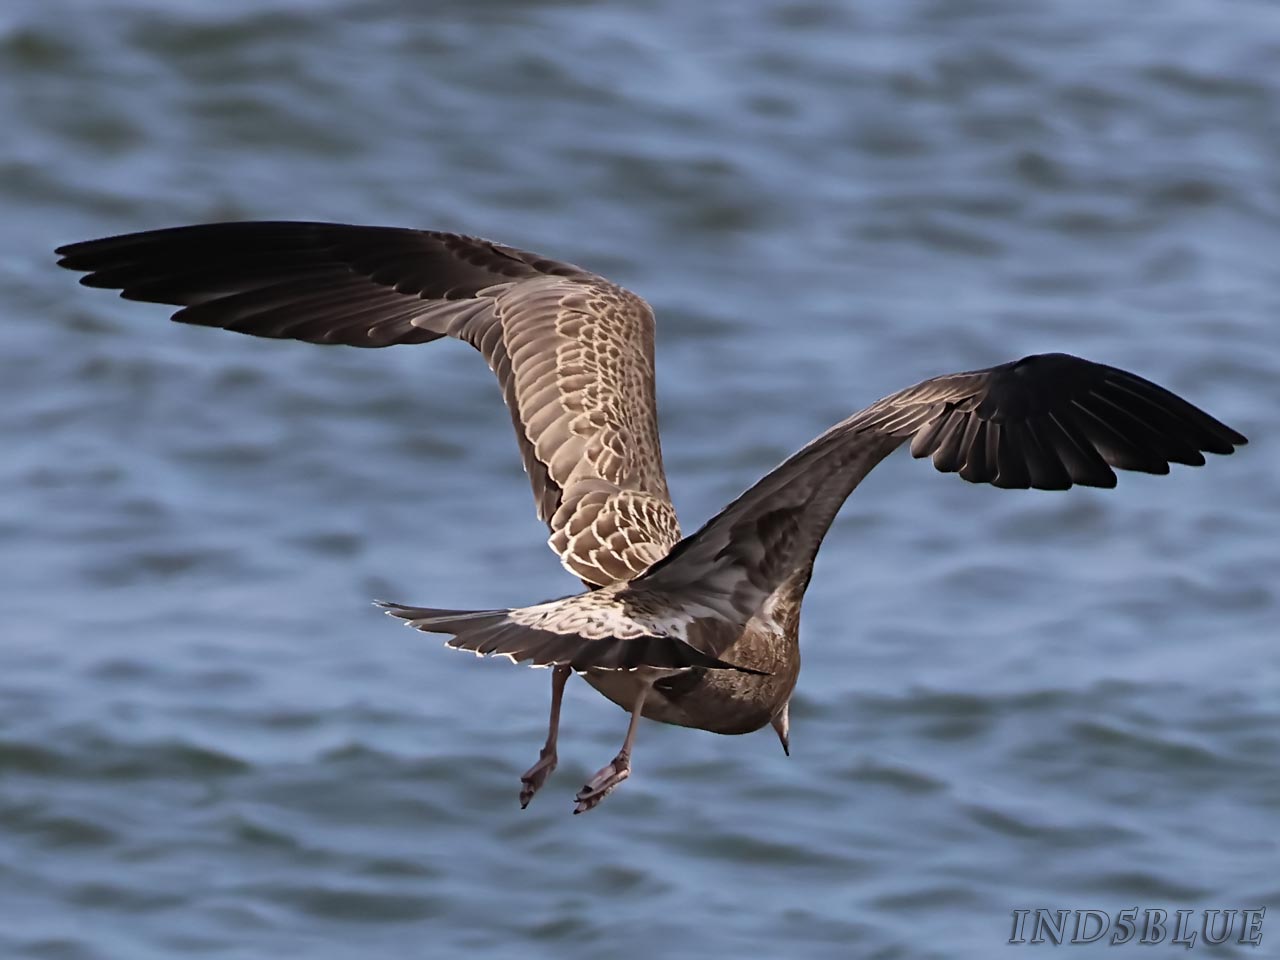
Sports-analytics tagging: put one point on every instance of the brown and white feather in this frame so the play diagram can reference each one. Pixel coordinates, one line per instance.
(597, 630)
(573, 352)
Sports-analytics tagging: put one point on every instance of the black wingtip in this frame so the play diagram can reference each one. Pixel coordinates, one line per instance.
(70, 254)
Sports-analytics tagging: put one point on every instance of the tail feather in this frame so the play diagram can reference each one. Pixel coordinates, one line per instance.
(429, 618)
(490, 632)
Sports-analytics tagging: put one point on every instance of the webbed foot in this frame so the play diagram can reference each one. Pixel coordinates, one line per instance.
(603, 783)
(532, 779)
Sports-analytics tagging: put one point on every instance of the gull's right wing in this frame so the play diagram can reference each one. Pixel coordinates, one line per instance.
(572, 351)
(1047, 421)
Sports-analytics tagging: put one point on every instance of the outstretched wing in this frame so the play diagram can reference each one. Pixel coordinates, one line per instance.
(1047, 421)
(572, 351)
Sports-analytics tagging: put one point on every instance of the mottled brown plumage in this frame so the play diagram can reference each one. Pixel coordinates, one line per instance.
(700, 632)
(573, 352)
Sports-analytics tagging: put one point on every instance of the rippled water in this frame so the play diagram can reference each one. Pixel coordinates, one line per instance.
(211, 745)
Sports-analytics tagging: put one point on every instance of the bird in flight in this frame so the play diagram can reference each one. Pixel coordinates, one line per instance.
(699, 631)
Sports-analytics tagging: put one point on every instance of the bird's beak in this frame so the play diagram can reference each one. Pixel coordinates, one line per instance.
(782, 724)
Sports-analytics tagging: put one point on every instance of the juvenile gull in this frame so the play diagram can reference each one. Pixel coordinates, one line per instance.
(701, 631)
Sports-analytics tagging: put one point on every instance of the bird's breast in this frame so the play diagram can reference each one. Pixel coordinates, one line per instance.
(722, 701)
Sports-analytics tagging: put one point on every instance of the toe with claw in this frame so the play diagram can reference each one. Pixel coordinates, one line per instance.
(532, 779)
(602, 784)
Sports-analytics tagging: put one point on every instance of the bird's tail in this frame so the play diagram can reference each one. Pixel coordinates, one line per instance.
(557, 633)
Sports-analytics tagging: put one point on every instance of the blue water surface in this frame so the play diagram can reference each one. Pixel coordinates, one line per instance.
(211, 745)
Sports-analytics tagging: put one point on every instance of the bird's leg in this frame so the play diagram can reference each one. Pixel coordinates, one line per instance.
(609, 776)
(533, 778)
